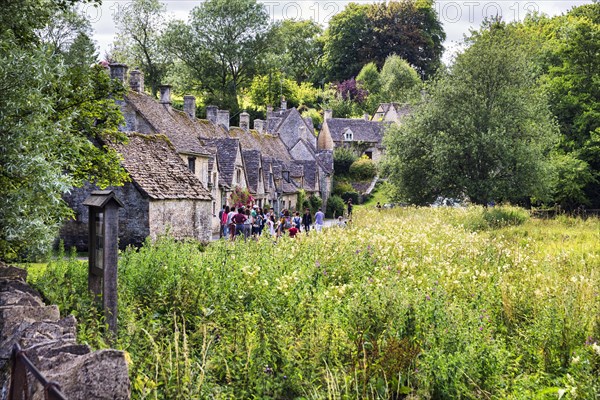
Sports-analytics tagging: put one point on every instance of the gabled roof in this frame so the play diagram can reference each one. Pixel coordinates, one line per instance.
(325, 159)
(253, 162)
(310, 175)
(227, 151)
(365, 131)
(176, 125)
(157, 170)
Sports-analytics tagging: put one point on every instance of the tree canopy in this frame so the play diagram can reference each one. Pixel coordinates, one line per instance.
(483, 132)
(55, 112)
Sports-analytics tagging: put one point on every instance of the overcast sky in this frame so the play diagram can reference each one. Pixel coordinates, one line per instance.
(457, 16)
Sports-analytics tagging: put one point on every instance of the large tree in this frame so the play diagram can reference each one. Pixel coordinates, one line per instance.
(223, 46)
(53, 107)
(370, 33)
(139, 40)
(483, 132)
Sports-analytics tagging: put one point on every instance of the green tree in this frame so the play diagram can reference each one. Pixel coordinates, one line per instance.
(51, 110)
(370, 33)
(400, 81)
(370, 79)
(484, 132)
(268, 89)
(223, 46)
(139, 41)
(297, 47)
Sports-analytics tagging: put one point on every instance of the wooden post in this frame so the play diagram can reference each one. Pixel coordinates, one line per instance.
(104, 251)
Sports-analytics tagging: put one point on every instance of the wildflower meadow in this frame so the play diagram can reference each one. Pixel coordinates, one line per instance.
(415, 303)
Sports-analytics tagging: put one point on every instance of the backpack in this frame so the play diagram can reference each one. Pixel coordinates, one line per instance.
(298, 222)
(287, 224)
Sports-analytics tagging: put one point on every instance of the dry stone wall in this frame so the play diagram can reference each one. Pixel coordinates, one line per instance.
(50, 343)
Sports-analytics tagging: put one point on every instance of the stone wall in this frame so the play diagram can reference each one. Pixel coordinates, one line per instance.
(181, 219)
(50, 343)
(133, 218)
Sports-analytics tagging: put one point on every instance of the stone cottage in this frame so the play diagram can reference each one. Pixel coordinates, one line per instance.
(274, 161)
(364, 135)
(164, 196)
(391, 112)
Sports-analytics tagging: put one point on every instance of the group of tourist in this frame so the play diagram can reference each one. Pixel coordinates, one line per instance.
(253, 221)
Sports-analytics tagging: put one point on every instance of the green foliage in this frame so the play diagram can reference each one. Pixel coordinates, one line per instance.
(315, 202)
(296, 48)
(400, 81)
(335, 207)
(495, 218)
(343, 157)
(222, 47)
(341, 186)
(363, 169)
(573, 175)
(55, 112)
(314, 115)
(402, 302)
(369, 78)
(361, 34)
(139, 40)
(484, 131)
(268, 89)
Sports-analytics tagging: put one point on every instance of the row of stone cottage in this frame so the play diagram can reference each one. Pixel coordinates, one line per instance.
(183, 169)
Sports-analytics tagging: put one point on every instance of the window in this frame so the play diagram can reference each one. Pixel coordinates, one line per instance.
(192, 164)
(348, 135)
(369, 154)
(214, 208)
(238, 176)
(260, 175)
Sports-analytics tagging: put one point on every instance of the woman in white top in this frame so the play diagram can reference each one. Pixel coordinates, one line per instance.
(271, 225)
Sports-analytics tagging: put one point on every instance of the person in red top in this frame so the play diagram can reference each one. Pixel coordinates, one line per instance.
(293, 231)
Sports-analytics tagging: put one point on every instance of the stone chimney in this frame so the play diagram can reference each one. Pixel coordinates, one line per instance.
(327, 114)
(118, 71)
(269, 111)
(259, 125)
(223, 118)
(245, 121)
(366, 116)
(211, 113)
(283, 103)
(165, 94)
(136, 81)
(189, 106)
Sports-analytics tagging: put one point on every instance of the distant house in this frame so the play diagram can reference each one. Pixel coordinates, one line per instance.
(391, 112)
(364, 135)
(163, 196)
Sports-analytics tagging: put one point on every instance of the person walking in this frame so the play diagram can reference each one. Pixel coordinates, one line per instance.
(297, 220)
(224, 226)
(319, 218)
(306, 220)
(349, 208)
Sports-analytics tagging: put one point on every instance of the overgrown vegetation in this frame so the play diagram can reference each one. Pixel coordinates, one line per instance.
(414, 304)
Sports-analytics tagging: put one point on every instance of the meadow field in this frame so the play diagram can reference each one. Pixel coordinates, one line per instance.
(415, 303)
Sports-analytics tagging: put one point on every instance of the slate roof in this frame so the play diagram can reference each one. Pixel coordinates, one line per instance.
(157, 170)
(252, 162)
(227, 150)
(325, 159)
(366, 131)
(176, 125)
(310, 175)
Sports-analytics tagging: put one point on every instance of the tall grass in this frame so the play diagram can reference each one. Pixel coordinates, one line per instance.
(405, 302)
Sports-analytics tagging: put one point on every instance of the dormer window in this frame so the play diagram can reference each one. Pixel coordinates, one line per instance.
(192, 164)
(348, 135)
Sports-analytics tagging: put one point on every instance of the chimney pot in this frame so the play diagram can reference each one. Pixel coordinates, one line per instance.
(269, 111)
(165, 94)
(259, 125)
(211, 113)
(136, 81)
(189, 106)
(328, 114)
(223, 118)
(118, 71)
(245, 121)
(283, 103)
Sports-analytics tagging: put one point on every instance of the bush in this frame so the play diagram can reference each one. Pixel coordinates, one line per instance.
(340, 187)
(343, 158)
(335, 207)
(363, 169)
(351, 195)
(496, 217)
(315, 202)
